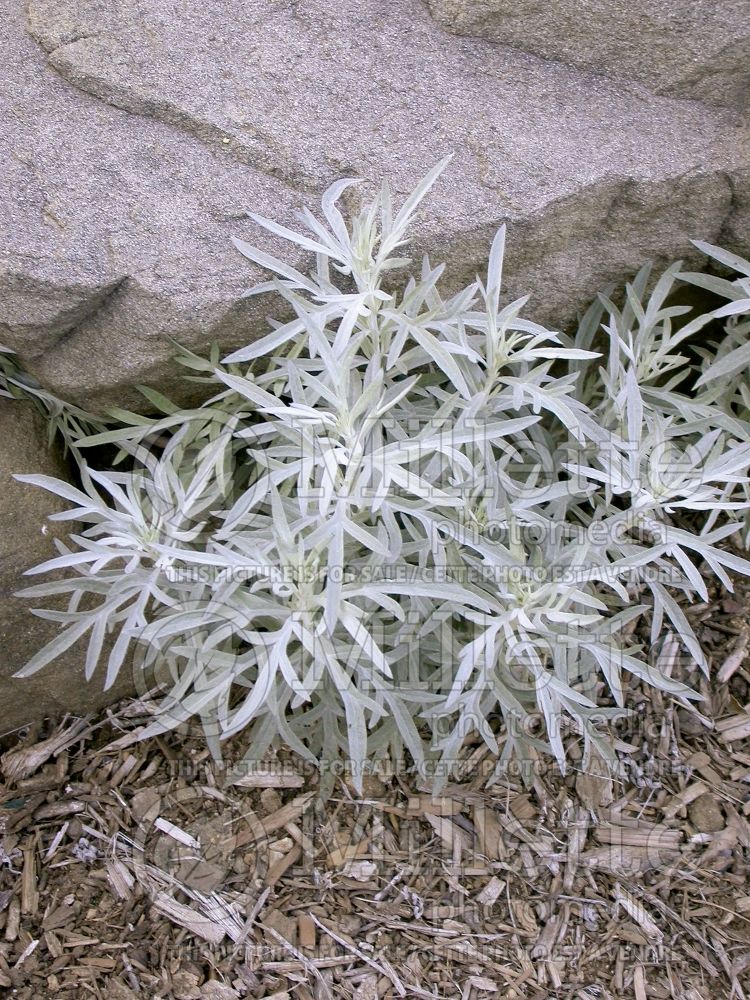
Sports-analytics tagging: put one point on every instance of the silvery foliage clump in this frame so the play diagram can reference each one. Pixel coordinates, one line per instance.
(70, 422)
(404, 518)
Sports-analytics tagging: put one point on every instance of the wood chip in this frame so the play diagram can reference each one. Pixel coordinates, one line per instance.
(637, 912)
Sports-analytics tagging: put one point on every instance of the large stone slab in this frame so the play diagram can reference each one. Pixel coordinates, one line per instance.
(26, 539)
(139, 135)
(687, 48)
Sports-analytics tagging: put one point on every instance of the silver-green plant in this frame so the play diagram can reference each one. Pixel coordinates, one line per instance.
(404, 517)
(70, 423)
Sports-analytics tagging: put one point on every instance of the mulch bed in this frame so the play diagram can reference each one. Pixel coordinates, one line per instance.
(132, 870)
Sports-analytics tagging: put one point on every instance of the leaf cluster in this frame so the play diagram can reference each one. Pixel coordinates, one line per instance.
(404, 517)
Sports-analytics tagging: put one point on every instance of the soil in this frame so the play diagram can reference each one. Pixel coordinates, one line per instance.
(141, 869)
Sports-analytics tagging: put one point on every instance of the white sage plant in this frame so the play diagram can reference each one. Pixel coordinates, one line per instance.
(406, 519)
(70, 423)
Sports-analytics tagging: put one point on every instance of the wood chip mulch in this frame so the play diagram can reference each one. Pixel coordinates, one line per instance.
(143, 870)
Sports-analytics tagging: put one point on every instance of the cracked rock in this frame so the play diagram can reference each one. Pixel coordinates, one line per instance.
(140, 135)
(686, 48)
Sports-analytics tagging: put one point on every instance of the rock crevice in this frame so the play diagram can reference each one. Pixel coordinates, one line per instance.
(694, 49)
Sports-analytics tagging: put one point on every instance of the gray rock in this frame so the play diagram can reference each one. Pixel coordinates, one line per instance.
(686, 48)
(26, 538)
(706, 815)
(140, 135)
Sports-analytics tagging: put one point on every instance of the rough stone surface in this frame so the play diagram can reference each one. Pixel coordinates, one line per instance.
(686, 48)
(139, 135)
(26, 538)
(706, 815)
